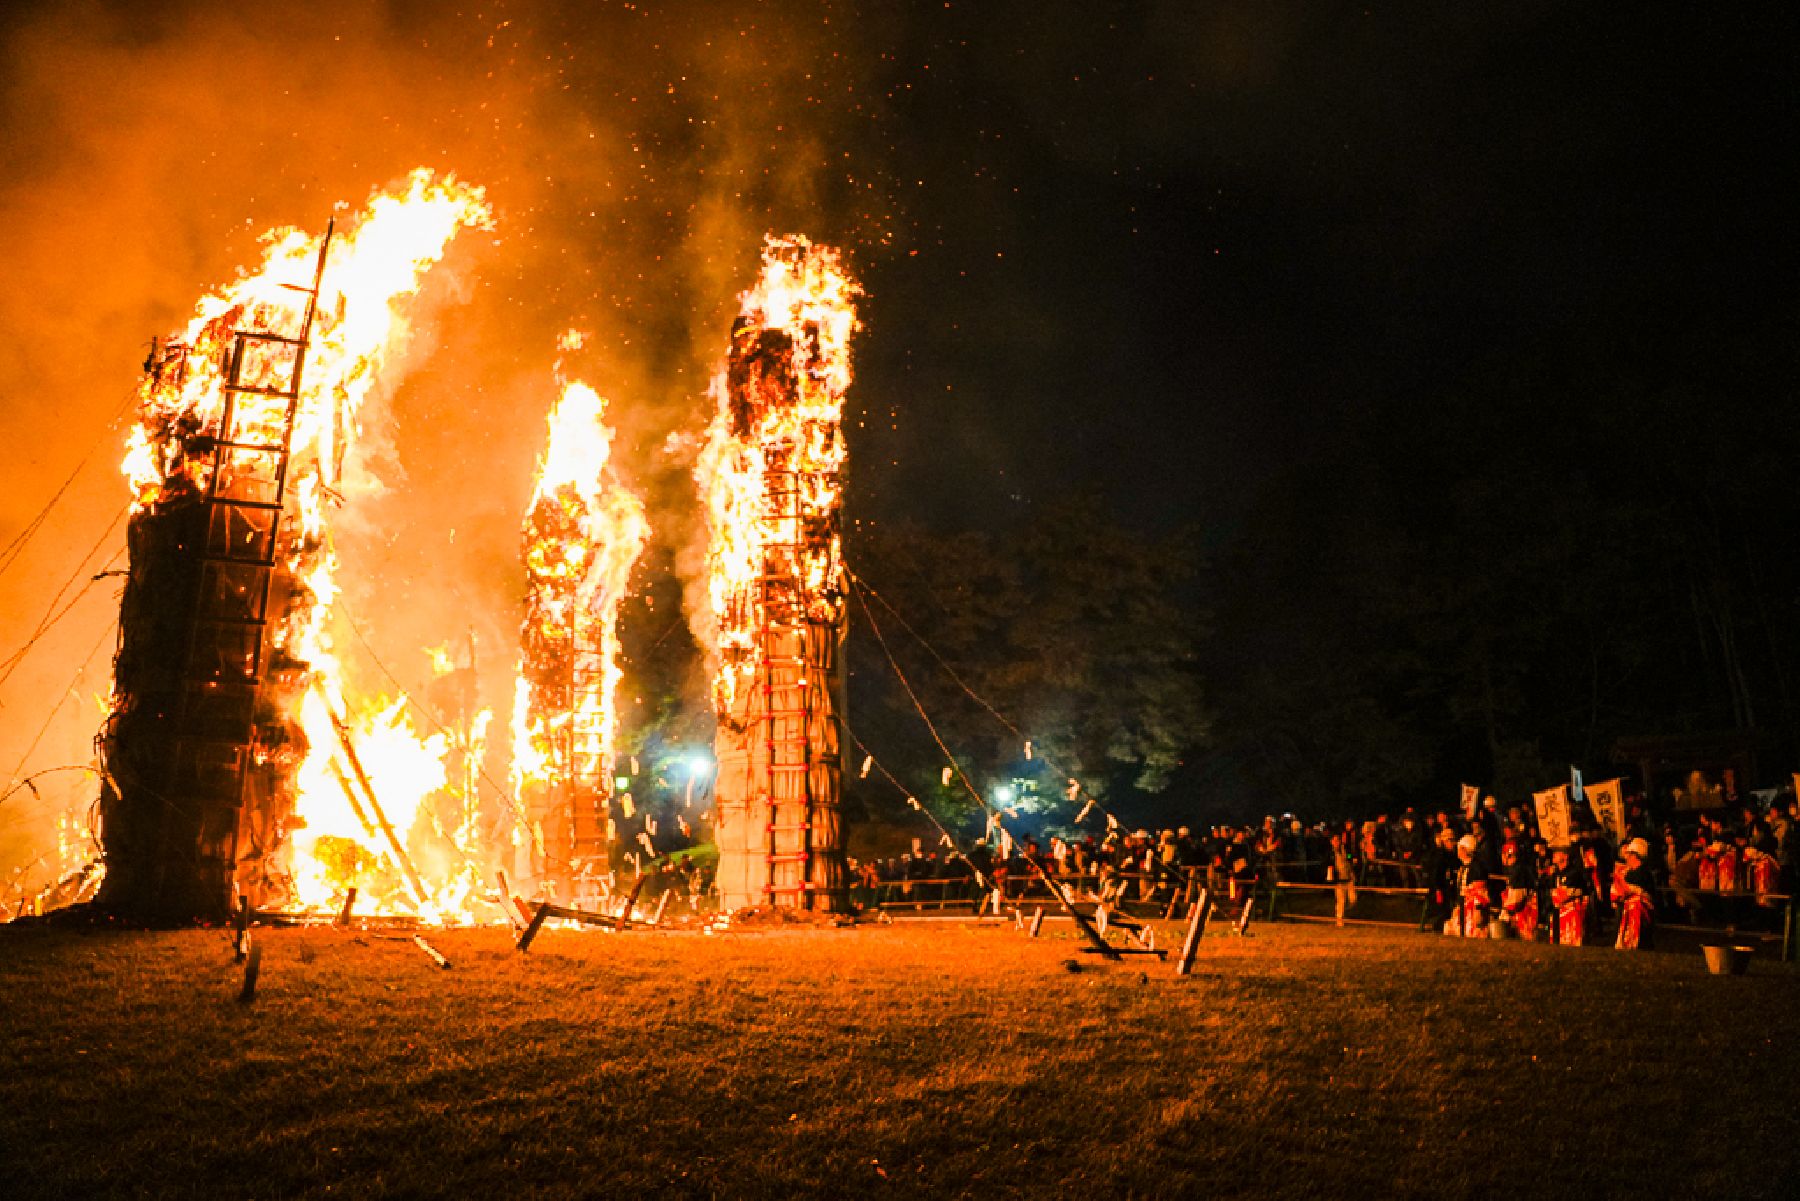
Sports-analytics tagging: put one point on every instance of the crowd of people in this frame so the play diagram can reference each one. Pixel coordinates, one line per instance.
(1488, 873)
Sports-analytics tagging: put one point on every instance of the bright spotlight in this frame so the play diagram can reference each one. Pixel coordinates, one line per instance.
(1003, 794)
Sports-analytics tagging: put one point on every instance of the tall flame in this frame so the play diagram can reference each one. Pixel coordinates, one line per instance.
(372, 270)
(583, 533)
(792, 340)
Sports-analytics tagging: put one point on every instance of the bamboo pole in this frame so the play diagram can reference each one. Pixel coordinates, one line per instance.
(362, 778)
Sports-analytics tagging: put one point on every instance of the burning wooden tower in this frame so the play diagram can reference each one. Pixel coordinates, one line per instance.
(582, 535)
(224, 682)
(772, 478)
(196, 743)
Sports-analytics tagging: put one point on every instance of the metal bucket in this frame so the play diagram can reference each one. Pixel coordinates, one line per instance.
(1724, 960)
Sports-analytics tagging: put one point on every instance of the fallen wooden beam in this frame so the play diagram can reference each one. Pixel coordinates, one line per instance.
(436, 956)
(547, 910)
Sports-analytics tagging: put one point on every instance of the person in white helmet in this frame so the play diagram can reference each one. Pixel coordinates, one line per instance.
(1471, 879)
(1634, 891)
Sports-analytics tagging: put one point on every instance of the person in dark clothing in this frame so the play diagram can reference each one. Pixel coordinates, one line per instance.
(1439, 865)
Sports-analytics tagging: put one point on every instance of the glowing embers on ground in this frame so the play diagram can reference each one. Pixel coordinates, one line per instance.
(583, 533)
(264, 366)
(779, 403)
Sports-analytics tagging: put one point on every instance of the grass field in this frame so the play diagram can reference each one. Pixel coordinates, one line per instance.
(943, 1060)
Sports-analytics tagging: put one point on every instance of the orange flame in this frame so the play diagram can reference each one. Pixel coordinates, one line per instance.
(793, 337)
(582, 536)
(374, 268)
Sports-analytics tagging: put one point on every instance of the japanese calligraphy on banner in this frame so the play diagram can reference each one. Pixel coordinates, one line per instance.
(1609, 807)
(1553, 815)
(1471, 800)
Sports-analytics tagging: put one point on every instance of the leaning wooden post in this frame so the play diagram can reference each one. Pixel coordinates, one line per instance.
(343, 917)
(1095, 938)
(1196, 929)
(1037, 921)
(1243, 922)
(404, 860)
(637, 886)
(537, 923)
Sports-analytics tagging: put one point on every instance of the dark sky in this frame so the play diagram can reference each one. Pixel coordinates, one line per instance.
(1230, 233)
(1177, 252)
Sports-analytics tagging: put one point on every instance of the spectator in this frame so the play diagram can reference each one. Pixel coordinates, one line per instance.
(1635, 892)
(1343, 875)
(1569, 893)
(1472, 886)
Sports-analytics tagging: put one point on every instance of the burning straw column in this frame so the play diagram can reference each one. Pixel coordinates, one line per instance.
(582, 535)
(245, 420)
(772, 478)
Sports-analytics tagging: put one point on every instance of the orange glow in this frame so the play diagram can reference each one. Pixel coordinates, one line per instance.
(374, 267)
(802, 314)
(583, 533)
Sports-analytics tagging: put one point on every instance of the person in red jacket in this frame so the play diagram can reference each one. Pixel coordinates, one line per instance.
(1519, 902)
(1569, 893)
(1634, 892)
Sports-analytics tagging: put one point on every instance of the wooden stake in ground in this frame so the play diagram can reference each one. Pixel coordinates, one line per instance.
(1037, 921)
(343, 917)
(241, 945)
(252, 969)
(1195, 931)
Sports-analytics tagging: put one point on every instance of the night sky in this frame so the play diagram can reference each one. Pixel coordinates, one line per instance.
(1208, 262)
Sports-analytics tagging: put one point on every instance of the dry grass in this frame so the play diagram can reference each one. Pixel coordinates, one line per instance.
(944, 1061)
